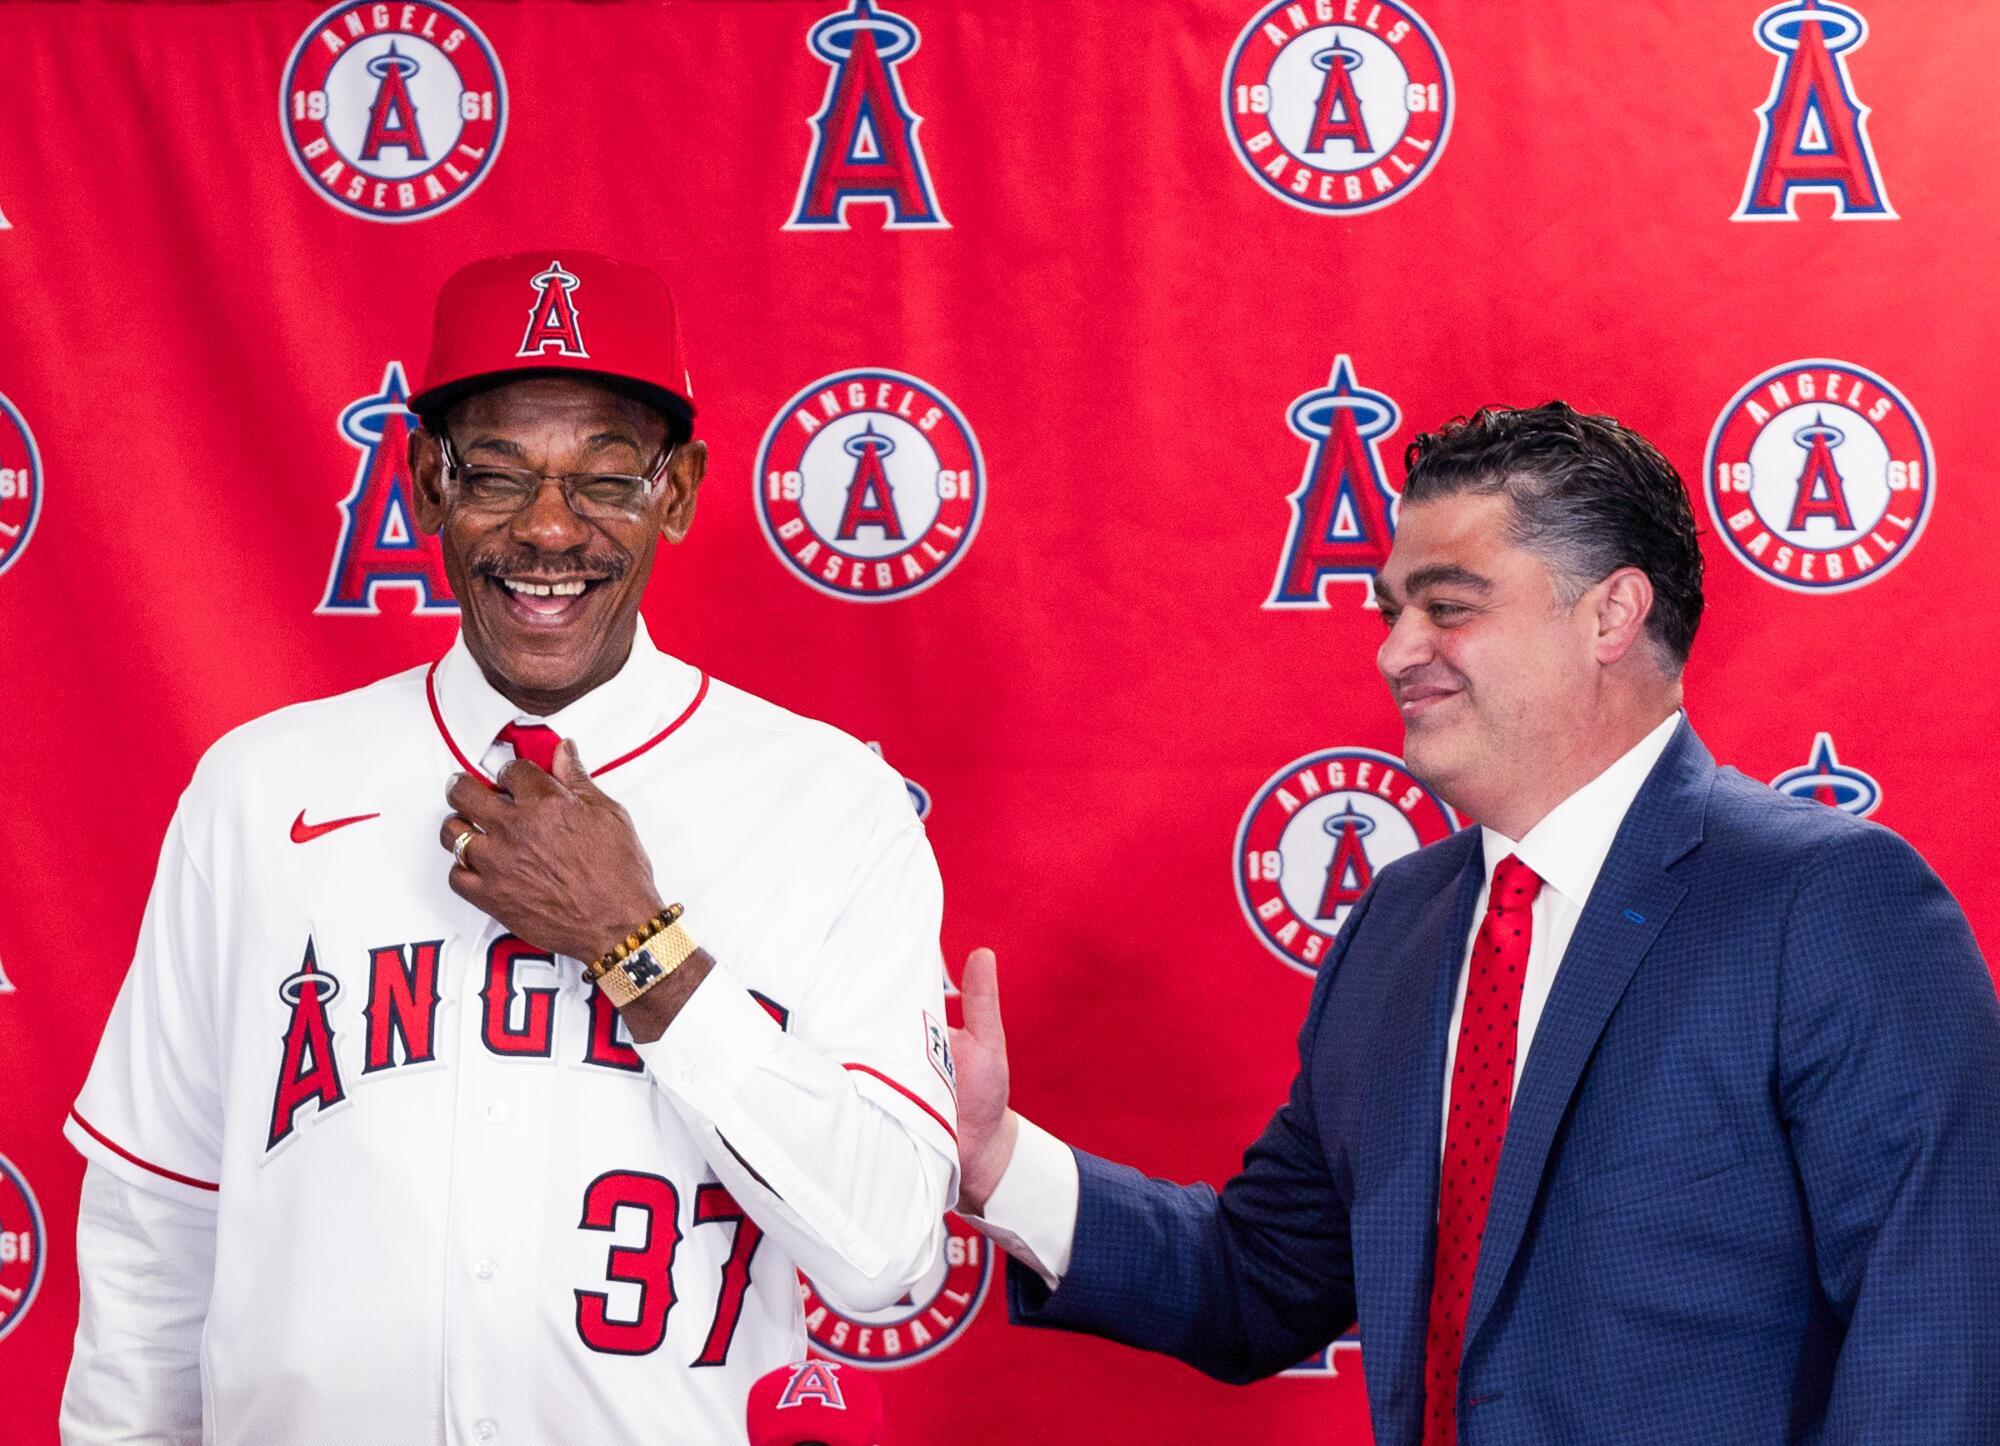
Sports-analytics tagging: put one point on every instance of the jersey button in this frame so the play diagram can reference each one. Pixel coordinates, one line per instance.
(485, 1270)
(484, 1429)
(497, 1111)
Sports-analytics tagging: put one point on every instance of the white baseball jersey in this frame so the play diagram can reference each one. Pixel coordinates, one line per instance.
(451, 1201)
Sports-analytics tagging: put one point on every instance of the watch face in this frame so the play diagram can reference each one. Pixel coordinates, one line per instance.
(641, 970)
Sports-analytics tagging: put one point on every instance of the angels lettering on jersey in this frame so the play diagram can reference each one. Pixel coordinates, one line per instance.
(865, 146)
(379, 545)
(1343, 512)
(1812, 132)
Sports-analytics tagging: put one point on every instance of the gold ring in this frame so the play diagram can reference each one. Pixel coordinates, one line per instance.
(459, 844)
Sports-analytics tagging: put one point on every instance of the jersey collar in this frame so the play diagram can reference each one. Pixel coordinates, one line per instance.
(649, 697)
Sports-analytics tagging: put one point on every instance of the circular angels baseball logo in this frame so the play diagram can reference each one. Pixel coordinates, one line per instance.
(1311, 841)
(21, 1241)
(20, 484)
(870, 484)
(1819, 476)
(923, 1323)
(393, 112)
(1339, 106)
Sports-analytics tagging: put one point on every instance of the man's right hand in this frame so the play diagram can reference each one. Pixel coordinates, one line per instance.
(987, 1129)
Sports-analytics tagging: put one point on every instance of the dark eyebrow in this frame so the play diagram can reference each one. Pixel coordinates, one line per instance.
(509, 448)
(1446, 575)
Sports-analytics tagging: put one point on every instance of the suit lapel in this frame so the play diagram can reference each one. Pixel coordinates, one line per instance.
(1394, 1230)
(1628, 906)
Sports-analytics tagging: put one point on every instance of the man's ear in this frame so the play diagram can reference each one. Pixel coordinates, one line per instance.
(683, 482)
(1622, 603)
(427, 476)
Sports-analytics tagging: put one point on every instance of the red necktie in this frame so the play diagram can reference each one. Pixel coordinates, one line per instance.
(1482, 1086)
(533, 741)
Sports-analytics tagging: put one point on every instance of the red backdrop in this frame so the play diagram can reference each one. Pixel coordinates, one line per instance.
(1091, 682)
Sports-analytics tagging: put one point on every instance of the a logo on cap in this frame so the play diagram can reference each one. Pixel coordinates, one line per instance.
(870, 484)
(393, 112)
(20, 484)
(813, 1383)
(552, 321)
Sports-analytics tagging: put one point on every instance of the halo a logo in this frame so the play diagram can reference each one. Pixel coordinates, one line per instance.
(1314, 837)
(1825, 779)
(865, 135)
(21, 1242)
(380, 545)
(1819, 477)
(1812, 134)
(1343, 513)
(922, 1323)
(20, 484)
(393, 112)
(1338, 106)
(870, 485)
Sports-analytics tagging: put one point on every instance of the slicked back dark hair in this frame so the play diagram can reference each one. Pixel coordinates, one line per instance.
(1589, 496)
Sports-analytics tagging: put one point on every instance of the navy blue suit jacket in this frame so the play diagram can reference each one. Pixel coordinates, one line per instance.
(1750, 1190)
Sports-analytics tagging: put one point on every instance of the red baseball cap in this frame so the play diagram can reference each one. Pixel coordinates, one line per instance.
(815, 1401)
(557, 312)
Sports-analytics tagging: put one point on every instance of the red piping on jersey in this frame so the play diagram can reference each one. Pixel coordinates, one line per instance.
(124, 1154)
(909, 1095)
(430, 696)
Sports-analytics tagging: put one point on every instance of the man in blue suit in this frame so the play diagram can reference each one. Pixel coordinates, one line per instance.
(1657, 1108)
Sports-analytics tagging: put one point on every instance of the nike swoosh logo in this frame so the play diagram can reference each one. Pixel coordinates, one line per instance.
(303, 832)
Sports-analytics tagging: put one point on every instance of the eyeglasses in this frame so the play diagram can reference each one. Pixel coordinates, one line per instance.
(602, 496)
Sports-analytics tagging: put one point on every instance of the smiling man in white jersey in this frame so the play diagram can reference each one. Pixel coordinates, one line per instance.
(503, 1036)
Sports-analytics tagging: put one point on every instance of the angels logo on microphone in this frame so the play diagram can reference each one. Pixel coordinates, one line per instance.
(924, 1322)
(20, 484)
(1338, 106)
(1313, 838)
(1825, 779)
(393, 112)
(380, 545)
(21, 1241)
(1819, 476)
(1343, 513)
(865, 136)
(1812, 134)
(870, 484)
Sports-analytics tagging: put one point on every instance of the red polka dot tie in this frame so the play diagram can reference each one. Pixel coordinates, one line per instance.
(533, 741)
(1482, 1086)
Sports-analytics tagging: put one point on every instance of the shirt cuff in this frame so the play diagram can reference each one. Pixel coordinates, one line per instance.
(1031, 1213)
(718, 1038)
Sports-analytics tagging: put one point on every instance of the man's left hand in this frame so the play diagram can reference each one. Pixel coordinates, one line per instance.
(556, 860)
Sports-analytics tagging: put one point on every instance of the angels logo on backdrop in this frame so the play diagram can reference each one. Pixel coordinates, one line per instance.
(1825, 779)
(21, 1241)
(6, 984)
(865, 144)
(922, 1323)
(393, 112)
(20, 484)
(920, 798)
(5, 224)
(380, 545)
(870, 484)
(1343, 513)
(1314, 838)
(1818, 474)
(1338, 106)
(1812, 134)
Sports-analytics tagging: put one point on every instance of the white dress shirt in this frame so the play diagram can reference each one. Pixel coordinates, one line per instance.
(1031, 1213)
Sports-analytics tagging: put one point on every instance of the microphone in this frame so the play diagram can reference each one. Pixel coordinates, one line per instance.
(814, 1403)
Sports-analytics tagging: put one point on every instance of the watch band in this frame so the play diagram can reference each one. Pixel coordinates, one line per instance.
(648, 965)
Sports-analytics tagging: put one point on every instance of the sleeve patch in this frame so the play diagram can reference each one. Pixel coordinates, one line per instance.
(937, 1044)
